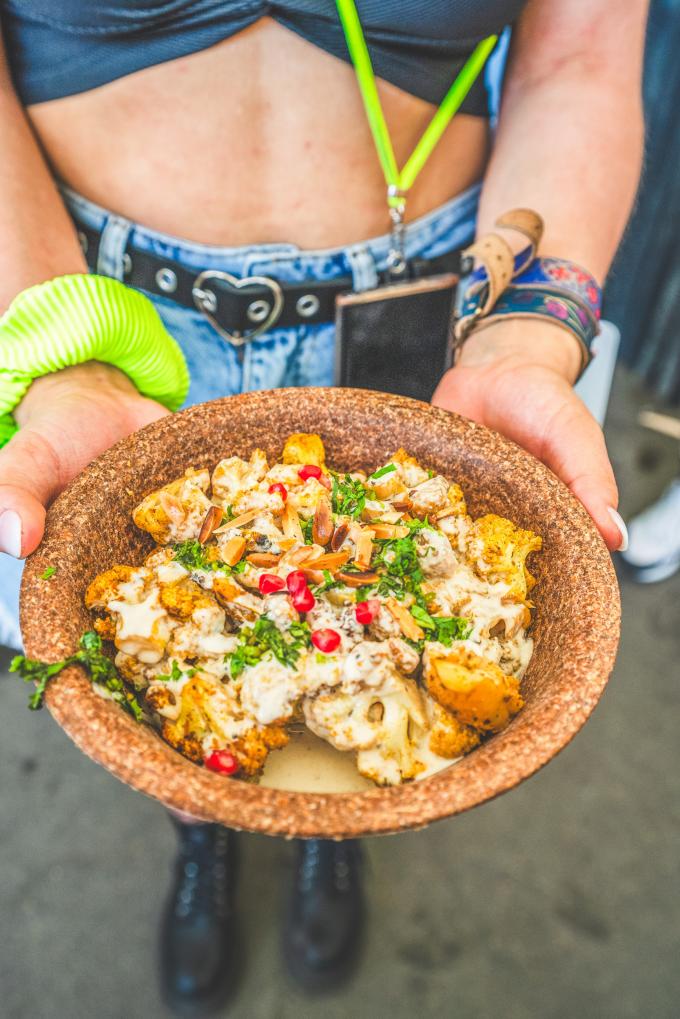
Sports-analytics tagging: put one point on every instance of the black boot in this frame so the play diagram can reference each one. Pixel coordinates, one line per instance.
(198, 939)
(324, 921)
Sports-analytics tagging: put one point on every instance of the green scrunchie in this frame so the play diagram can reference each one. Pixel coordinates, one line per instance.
(73, 319)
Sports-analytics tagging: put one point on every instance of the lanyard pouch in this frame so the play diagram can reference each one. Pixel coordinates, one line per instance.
(397, 338)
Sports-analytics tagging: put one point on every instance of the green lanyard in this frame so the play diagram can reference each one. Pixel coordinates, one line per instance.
(400, 181)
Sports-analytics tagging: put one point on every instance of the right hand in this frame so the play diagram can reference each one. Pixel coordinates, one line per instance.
(66, 419)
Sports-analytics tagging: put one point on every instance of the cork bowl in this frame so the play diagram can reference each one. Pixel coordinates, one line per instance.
(576, 622)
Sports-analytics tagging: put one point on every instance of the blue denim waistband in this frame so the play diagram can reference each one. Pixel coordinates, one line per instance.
(444, 229)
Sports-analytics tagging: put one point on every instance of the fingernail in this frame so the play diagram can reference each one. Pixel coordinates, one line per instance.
(10, 533)
(620, 523)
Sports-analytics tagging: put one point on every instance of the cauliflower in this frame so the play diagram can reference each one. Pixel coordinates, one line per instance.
(209, 712)
(474, 689)
(270, 691)
(409, 469)
(304, 448)
(429, 496)
(448, 737)
(233, 477)
(498, 550)
(252, 749)
(239, 605)
(136, 621)
(435, 554)
(176, 511)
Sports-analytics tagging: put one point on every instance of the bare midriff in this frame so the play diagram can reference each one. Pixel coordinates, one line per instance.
(260, 139)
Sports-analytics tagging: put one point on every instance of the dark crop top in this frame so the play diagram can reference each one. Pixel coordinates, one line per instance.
(62, 47)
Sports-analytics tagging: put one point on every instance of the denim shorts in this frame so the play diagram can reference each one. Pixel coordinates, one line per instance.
(292, 356)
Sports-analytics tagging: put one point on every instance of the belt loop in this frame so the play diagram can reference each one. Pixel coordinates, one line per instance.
(112, 245)
(363, 268)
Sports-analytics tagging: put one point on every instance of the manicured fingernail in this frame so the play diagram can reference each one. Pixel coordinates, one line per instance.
(620, 523)
(10, 533)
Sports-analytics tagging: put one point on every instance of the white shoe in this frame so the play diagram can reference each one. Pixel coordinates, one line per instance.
(654, 539)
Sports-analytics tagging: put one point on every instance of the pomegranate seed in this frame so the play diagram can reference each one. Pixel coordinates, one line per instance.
(326, 640)
(281, 489)
(269, 583)
(222, 761)
(296, 581)
(366, 611)
(303, 600)
(310, 471)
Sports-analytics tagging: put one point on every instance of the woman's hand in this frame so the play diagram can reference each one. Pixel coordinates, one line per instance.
(516, 377)
(66, 420)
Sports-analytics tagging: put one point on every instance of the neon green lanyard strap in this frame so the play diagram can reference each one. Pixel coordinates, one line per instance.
(399, 181)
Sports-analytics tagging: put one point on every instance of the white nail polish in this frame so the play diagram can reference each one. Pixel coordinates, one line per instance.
(10, 533)
(620, 523)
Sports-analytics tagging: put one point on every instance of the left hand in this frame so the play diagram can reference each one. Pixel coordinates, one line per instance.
(517, 377)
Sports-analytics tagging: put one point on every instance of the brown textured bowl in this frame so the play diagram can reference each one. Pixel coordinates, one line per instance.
(576, 627)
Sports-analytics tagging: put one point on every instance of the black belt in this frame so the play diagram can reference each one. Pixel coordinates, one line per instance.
(243, 308)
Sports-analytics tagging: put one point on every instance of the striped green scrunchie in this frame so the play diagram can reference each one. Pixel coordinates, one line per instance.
(73, 319)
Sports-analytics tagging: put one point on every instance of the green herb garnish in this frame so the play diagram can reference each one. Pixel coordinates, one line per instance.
(306, 526)
(328, 583)
(90, 656)
(175, 674)
(192, 556)
(264, 638)
(49, 572)
(348, 496)
(444, 629)
(387, 469)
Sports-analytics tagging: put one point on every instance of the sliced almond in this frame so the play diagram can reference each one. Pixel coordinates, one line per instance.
(298, 555)
(262, 559)
(330, 561)
(322, 525)
(339, 535)
(213, 519)
(357, 579)
(407, 623)
(239, 521)
(290, 522)
(388, 531)
(364, 549)
(233, 550)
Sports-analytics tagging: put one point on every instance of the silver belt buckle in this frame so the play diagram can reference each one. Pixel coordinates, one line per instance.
(260, 311)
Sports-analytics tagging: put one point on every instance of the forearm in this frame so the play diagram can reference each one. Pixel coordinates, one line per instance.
(37, 238)
(570, 136)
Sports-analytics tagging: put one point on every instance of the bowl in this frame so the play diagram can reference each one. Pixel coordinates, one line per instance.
(576, 626)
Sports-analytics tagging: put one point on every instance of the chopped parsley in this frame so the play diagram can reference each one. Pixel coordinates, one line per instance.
(307, 526)
(264, 638)
(444, 629)
(387, 469)
(175, 674)
(192, 556)
(49, 572)
(91, 657)
(348, 496)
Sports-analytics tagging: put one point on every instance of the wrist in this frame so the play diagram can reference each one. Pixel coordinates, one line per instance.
(522, 341)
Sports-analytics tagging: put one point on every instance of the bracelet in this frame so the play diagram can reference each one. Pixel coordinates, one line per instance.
(557, 306)
(73, 319)
(550, 288)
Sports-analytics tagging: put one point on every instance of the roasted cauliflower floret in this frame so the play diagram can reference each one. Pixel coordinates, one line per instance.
(187, 598)
(429, 496)
(131, 599)
(409, 468)
(239, 605)
(106, 586)
(383, 727)
(252, 749)
(474, 689)
(209, 713)
(304, 448)
(175, 512)
(435, 554)
(233, 477)
(270, 691)
(498, 550)
(449, 738)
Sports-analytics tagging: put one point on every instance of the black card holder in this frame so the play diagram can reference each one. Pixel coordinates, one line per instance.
(397, 338)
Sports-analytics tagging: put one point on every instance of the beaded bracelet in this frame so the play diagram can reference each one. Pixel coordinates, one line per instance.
(549, 288)
(73, 319)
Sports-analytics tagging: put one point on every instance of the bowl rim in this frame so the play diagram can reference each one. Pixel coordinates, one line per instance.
(97, 726)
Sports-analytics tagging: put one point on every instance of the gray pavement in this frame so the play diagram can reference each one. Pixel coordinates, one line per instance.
(558, 900)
